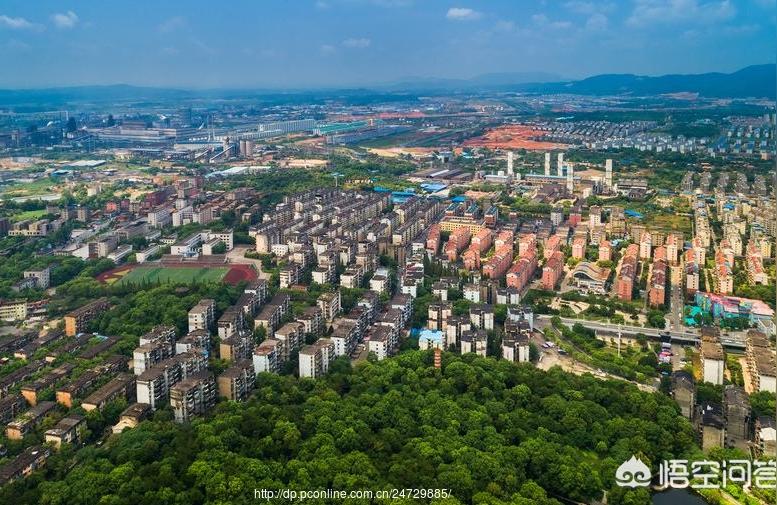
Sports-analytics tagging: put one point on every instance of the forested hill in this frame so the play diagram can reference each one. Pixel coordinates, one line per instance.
(752, 81)
(491, 431)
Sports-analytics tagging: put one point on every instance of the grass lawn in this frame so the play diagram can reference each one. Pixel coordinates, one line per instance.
(183, 275)
(37, 187)
(670, 222)
(30, 214)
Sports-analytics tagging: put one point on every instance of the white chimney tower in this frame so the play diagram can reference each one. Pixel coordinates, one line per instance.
(561, 164)
(547, 164)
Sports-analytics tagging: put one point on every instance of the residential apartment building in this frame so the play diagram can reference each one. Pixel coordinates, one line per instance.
(314, 359)
(237, 381)
(76, 320)
(193, 396)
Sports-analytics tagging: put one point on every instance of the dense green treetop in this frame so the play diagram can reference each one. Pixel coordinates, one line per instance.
(491, 431)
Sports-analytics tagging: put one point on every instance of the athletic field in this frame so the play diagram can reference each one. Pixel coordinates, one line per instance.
(165, 275)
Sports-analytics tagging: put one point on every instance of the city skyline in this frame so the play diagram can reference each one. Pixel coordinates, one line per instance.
(371, 42)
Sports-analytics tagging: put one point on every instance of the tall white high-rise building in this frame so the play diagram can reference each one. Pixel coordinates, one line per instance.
(561, 164)
(547, 164)
(510, 163)
(570, 178)
(608, 174)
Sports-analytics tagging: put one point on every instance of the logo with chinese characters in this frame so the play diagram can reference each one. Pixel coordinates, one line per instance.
(681, 473)
(633, 473)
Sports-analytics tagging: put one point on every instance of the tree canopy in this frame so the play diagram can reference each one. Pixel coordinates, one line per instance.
(490, 431)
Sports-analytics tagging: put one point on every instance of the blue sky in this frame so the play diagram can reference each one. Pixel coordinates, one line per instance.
(310, 43)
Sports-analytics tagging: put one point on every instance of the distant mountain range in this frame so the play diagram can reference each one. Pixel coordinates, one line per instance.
(484, 81)
(753, 81)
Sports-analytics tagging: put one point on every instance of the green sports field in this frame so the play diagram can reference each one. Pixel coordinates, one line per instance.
(183, 275)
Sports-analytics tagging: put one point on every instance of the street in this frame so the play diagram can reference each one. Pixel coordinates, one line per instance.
(550, 357)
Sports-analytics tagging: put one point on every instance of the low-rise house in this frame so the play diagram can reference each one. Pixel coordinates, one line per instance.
(684, 392)
(31, 391)
(713, 361)
(26, 422)
(24, 464)
(68, 394)
(712, 426)
(132, 416)
(67, 431)
(10, 407)
(76, 320)
(736, 411)
(120, 387)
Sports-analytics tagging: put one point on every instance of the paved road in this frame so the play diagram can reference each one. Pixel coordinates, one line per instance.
(685, 336)
(678, 354)
(676, 307)
(550, 358)
(682, 334)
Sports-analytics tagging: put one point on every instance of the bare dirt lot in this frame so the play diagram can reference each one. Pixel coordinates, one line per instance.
(513, 137)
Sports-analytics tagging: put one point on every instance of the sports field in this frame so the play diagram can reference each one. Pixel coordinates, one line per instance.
(183, 275)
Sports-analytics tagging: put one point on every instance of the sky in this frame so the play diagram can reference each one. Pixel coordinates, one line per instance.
(330, 43)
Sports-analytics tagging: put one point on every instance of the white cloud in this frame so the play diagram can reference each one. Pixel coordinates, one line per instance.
(67, 20)
(16, 23)
(360, 43)
(542, 20)
(327, 49)
(647, 12)
(172, 24)
(15, 46)
(583, 7)
(322, 5)
(462, 14)
(596, 22)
